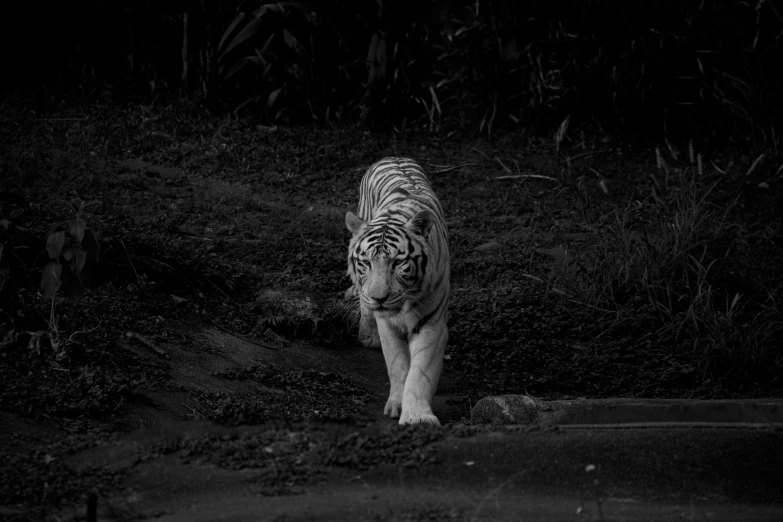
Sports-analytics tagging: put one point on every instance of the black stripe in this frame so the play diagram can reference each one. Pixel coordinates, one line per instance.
(424, 261)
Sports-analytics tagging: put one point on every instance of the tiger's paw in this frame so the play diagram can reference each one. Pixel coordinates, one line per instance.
(392, 408)
(369, 337)
(370, 341)
(368, 333)
(419, 416)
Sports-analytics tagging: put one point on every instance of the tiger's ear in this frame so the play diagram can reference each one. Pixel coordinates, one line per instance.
(353, 222)
(421, 223)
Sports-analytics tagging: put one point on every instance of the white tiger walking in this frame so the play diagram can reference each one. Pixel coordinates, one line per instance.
(398, 260)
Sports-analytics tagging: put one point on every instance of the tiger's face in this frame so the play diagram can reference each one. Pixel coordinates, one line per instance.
(387, 264)
(387, 283)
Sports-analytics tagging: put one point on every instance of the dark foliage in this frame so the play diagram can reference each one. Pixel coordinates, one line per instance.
(662, 69)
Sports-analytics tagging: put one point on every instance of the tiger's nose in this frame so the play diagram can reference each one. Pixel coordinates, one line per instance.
(381, 300)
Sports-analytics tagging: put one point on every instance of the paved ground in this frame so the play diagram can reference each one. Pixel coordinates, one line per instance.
(584, 460)
(642, 475)
(500, 474)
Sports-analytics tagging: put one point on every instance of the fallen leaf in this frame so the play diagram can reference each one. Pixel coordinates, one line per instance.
(491, 246)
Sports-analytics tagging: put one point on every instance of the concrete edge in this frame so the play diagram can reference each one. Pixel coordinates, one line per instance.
(527, 410)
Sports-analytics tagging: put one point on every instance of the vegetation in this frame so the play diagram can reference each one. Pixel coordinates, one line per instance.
(679, 70)
(665, 266)
(667, 260)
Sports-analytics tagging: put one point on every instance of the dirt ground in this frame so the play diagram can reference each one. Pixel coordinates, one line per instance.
(210, 330)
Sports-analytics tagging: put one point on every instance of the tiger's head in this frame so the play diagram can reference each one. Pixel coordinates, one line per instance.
(387, 260)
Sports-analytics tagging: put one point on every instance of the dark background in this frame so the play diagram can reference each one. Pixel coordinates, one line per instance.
(707, 71)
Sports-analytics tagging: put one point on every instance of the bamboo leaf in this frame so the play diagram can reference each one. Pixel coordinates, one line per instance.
(272, 97)
(248, 31)
(236, 67)
(435, 99)
(233, 25)
(278, 9)
(268, 42)
(561, 131)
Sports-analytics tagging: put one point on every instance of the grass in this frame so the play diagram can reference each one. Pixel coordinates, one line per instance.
(657, 269)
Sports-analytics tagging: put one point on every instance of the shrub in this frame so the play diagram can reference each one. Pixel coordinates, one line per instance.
(654, 272)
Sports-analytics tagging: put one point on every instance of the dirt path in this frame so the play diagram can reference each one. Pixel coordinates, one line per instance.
(169, 466)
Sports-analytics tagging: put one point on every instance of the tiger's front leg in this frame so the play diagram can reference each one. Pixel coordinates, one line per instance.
(395, 352)
(426, 351)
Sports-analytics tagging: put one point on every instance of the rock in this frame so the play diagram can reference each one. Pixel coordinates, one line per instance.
(523, 409)
(508, 409)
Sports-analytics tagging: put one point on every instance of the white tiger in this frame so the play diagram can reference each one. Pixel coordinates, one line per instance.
(398, 260)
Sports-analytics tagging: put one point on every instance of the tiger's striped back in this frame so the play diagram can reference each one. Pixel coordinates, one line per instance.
(390, 182)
